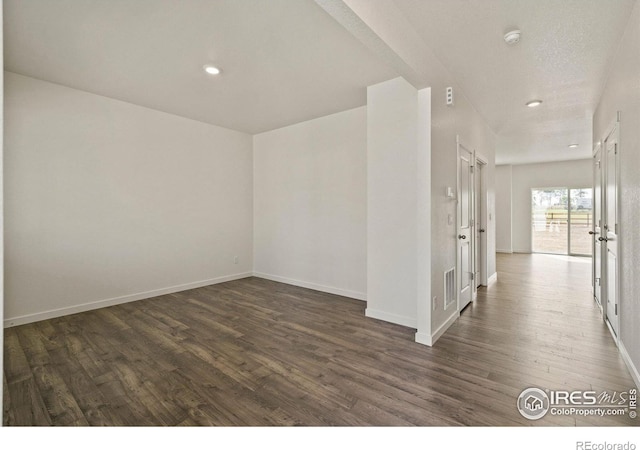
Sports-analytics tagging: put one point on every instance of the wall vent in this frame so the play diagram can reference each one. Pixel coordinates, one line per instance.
(449, 287)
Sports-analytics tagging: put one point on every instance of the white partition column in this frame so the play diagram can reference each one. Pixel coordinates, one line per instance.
(398, 208)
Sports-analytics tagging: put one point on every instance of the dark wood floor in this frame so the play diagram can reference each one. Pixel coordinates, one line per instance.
(256, 352)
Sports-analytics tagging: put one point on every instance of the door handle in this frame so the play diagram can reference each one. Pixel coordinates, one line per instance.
(482, 230)
(592, 232)
(602, 239)
(461, 236)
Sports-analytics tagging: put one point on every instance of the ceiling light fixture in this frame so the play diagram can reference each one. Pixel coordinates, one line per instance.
(534, 103)
(573, 145)
(512, 37)
(211, 70)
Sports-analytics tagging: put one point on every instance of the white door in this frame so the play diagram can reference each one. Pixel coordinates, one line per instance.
(597, 224)
(479, 242)
(465, 225)
(609, 237)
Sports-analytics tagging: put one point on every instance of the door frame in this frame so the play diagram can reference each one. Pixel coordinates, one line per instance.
(596, 229)
(481, 164)
(613, 130)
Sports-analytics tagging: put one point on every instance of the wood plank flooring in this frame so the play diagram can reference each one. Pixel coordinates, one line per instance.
(256, 352)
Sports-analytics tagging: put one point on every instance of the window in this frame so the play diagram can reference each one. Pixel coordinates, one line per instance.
(580, 221)
(561, 220)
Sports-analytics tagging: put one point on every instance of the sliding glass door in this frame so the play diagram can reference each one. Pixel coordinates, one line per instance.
(560, 221)
(580, 221)
(549, 225)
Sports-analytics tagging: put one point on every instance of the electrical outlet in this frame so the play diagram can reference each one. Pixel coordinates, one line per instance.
(449, 96)
(235, 260)
(435, 303)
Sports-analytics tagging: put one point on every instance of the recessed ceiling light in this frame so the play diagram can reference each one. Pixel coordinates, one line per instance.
(211, 70)
(573, 145)
(534, 103)
(512, 37)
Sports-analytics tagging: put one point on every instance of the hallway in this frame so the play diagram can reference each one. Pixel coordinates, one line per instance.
(539, 326)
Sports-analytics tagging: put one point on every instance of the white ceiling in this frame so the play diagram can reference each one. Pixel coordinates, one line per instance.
(562, 59)
(286, 61)
(283, 61)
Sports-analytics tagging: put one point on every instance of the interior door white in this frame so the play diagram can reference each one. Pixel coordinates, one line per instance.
(479, 243)
(597, 224)
(465, 226)
(610, 229)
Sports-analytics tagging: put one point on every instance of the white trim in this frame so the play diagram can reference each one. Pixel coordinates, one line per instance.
(596, 148)
(498, 250)
(444, 327)
(430, 340)
(613, 333)
(612, 127)
(614, 134)
(410, 322)
(424, 339)
(29, 318)
(480, 157)
(480, 249)
(492, 279)
(313, 286)
(633, 370)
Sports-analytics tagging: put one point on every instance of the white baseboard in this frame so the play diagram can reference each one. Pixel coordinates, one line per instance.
(430, 339)
(29, 318)
(314, 286)
(390, 317)
(503, 251)
(424, 339)
(445, 326)
(492, 279)
(627, 360)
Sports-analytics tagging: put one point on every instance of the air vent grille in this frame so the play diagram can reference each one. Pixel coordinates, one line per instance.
(449, 287)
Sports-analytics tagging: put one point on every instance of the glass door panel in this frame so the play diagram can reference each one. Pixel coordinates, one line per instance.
(581, 221)
(549, 224)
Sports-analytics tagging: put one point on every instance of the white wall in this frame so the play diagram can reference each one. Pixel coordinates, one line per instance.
(310, 185)
(504, 240)
(392, 109)
(108, 202)
(423, 218)
(462, 120)
(385, 30)
(396, 142)
(622, 93)
(571, 174)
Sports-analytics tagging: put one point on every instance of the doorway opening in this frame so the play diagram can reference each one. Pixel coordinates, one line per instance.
(561, 219)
